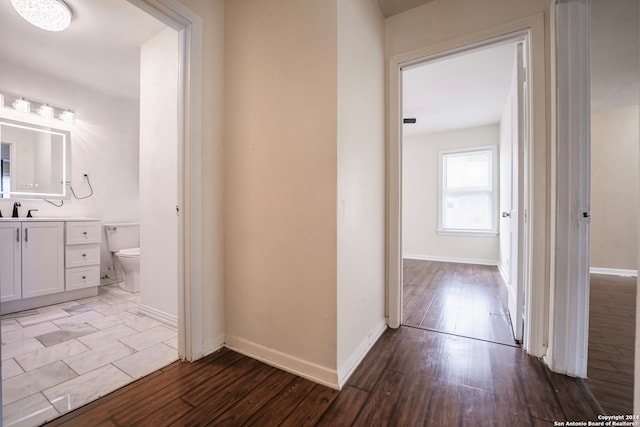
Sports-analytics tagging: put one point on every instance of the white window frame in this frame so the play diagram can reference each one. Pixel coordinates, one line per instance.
(494, 191)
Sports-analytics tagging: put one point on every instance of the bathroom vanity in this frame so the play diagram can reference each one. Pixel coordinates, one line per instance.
(46, 261)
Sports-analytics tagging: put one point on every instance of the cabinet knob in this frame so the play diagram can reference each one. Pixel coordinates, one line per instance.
(84, 232)
(84, 255)
(84, 277)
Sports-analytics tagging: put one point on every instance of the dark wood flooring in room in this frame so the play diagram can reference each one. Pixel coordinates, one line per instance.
(463, 299)
(612, 314)
(411, 377)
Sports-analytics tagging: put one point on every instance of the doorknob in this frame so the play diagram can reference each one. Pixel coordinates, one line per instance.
(506, 214)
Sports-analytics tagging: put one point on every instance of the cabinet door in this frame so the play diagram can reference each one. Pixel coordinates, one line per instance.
(42, 258)
(10, 272)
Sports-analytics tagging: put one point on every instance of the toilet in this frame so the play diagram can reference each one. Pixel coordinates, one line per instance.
(123, 241)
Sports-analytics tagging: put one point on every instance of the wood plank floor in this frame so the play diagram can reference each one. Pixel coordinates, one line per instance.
(612, 313)
(411, 377)
(415, 375)
(462, 299)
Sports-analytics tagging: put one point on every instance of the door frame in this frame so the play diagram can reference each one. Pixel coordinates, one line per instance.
(189, 207)
(533, 282)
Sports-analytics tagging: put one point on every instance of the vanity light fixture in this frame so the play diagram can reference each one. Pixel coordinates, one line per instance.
(46, 110)
(67, 116)
(50, 15)
(22, 105)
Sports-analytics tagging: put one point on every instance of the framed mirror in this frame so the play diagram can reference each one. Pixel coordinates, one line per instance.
(35, 161)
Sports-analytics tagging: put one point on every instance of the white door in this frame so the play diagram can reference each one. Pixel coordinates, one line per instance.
(512, 149)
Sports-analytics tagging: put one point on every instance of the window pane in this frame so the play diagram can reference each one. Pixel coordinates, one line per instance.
(467, 211)
(469, 170)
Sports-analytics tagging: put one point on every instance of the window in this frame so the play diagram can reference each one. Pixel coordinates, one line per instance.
(468, 196)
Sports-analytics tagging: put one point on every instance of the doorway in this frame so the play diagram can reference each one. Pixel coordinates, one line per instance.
(463, 195)
(186, 135)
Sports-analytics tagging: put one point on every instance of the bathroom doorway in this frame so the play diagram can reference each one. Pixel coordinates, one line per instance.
(185, 282)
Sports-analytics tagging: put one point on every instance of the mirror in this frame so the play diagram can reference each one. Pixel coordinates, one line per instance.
(35, 161)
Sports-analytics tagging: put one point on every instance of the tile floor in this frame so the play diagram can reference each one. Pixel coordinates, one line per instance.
(59, 357)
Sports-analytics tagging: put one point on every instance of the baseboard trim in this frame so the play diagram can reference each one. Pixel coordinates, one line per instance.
(161, 316)
(478, 261)
(613, 271)
(504, 275)
(286, 362)
(347, 368)
(211, 346)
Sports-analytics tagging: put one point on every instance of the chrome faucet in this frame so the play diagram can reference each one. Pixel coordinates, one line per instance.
(16, 205)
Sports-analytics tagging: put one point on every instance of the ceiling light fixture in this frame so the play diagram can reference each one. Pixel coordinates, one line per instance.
(50, 15)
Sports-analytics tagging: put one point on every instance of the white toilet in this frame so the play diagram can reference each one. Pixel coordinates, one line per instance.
(123, 240)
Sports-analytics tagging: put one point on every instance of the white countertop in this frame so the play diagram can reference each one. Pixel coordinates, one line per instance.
(47, 218)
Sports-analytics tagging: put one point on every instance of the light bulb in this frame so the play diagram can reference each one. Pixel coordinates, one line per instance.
(22, 105)
(46, 111)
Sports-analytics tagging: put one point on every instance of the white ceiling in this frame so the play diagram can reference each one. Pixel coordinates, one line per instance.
(393, 7)
(466, 90)
(100, 49)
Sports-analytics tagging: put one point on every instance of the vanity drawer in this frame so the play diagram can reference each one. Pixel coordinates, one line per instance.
(82, 277)
(82, 255)
(79, 233)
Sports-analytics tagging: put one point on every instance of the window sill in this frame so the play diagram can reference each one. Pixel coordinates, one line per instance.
(468, 233)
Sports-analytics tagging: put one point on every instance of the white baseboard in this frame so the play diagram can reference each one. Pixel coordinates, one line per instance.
(347, 368)
(478, 261)
(613, 271)
(211, 346)
(286, 362)
(504, 274)
(159, 315)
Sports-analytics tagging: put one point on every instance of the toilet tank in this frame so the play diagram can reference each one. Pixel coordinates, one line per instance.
(122, 235)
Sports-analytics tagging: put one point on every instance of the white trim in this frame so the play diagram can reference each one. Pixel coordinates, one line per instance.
(189, 318)
(569, 297)
(476, 261)
(161, 316)
(531, 28)
(352, 362)
(613, 271)
(286, 362)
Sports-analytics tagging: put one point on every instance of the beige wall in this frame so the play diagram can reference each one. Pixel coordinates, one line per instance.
(211, 266)
(420, 192)
(361, 181)
(614, 188)
(280, 182)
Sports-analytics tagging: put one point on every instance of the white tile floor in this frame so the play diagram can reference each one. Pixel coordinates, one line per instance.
(60, 357)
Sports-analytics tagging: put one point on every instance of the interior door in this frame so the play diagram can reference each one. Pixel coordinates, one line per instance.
(513, 144)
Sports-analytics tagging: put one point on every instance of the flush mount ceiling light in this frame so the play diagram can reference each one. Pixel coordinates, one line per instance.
(50, 15)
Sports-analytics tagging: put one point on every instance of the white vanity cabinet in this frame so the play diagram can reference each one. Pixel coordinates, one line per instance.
(42, 258)
(44, 262)
(10, 261)
(83, 255)
(32, 259)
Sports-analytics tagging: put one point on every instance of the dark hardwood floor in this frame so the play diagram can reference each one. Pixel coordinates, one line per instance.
(462, 299)
(612, 314)
(411, 377)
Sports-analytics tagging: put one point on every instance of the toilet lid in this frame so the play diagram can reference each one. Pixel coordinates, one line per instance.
(129, 252)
